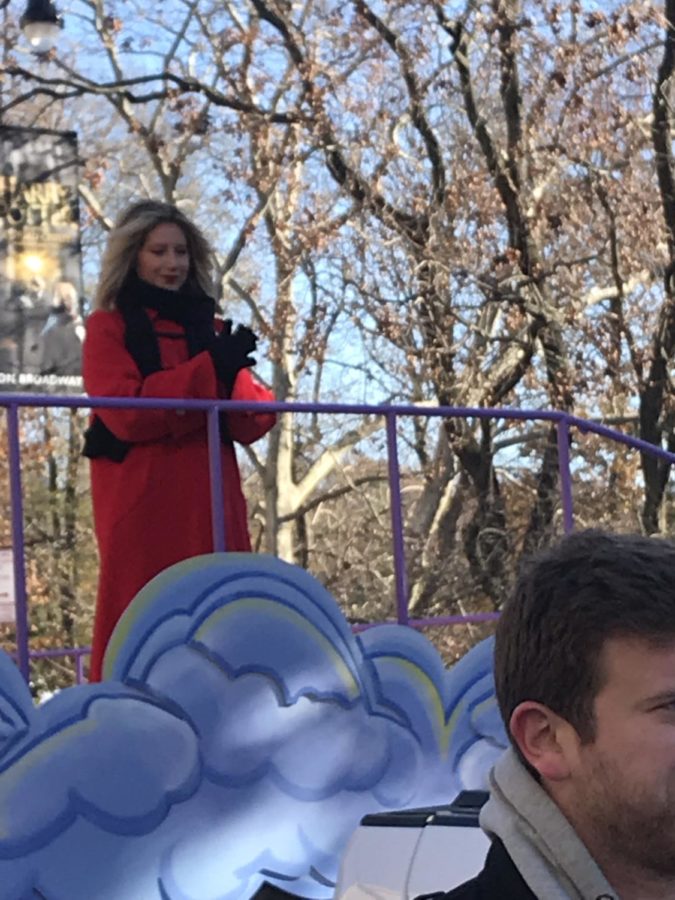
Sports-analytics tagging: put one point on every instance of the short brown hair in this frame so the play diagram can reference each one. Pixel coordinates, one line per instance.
(567, 602)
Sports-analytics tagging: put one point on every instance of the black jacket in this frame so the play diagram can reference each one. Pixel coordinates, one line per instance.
(499, 880)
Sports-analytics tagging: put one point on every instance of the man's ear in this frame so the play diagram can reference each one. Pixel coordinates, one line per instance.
(546, 740)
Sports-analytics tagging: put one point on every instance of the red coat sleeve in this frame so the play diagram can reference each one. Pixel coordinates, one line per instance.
(109, 371)
(246, 427)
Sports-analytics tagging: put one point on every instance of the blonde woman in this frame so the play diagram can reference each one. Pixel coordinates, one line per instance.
(154, 333)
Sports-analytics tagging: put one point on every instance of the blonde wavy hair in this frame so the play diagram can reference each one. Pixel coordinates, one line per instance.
(128, 236)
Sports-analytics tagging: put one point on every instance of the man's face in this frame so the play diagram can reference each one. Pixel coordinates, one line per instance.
(621, 796)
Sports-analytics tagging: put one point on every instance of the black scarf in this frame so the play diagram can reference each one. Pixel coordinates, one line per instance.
(189, 307)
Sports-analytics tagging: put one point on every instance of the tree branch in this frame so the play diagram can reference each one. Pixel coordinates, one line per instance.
(328, 460)
(79, 86)
(417, 114)
(414, 227)
(333, 494)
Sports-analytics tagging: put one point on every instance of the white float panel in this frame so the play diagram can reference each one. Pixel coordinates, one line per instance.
(446, 856)
(377, 862)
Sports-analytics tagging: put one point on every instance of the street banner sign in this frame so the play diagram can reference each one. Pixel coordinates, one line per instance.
(40, 261)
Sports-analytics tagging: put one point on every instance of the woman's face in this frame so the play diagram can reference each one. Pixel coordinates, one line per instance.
(164, 259)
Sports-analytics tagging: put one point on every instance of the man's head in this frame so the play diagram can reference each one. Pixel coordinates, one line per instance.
(585, 678)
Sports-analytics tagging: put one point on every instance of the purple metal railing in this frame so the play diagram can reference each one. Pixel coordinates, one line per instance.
(391, 414)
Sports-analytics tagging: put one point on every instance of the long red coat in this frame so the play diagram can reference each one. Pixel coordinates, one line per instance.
(154, 509)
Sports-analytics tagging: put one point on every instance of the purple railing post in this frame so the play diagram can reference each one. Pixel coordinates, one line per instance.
(19, 557)
(216, 476)
(397, 522)
(79, 668)
(566, 498)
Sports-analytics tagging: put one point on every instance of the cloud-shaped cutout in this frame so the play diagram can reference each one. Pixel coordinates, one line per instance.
(242, 734)
(81, 770)
(16, 706)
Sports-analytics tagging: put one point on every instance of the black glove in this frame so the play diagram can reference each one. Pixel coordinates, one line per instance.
(231, 351)
(100, 441)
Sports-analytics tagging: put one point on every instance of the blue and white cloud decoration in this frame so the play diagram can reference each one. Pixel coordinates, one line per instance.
(241, 733)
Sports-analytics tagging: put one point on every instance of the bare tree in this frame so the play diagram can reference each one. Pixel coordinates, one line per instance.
(475, 196)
